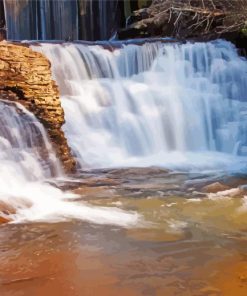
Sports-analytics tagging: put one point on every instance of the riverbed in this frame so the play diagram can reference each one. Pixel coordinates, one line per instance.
(185, 242)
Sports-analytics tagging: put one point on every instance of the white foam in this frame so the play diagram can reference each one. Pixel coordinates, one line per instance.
(225, 194)
(35, 202)
(23, 173)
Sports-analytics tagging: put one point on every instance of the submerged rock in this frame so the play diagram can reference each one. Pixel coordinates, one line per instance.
(5, 211)
(215, 187)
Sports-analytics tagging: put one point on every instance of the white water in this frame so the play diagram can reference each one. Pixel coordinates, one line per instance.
(27, 160)
(171, 105)
(178, 106)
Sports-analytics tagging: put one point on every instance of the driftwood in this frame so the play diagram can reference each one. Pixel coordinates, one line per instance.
(191, 18)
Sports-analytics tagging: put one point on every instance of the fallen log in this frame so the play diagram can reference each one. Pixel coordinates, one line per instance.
(190, 18)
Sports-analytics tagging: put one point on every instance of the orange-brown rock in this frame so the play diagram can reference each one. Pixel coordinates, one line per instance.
(215, 187)
(5, 212)
(27, 74)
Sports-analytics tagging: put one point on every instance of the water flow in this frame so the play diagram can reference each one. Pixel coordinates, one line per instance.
(173, 105)
(61, 19)
(27, 160)
(25, 148)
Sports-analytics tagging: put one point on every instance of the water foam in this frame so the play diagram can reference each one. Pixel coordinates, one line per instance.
(27, 163)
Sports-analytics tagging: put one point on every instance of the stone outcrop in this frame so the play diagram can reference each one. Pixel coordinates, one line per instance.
(25, 75)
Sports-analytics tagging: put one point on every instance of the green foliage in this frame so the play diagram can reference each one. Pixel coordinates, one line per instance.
(244, 30)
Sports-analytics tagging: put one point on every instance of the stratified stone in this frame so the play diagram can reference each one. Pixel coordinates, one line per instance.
(27, 76)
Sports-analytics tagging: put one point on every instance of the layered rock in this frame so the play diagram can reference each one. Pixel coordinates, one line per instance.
(25, 76)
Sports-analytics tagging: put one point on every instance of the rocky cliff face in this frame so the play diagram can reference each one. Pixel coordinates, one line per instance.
(25, 76)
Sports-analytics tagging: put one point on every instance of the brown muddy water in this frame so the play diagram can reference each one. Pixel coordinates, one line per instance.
(188, 243)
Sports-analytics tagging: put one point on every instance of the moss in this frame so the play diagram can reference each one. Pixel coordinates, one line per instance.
(244, 31)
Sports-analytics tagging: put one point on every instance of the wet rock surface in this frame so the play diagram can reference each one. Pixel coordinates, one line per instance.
(215, 187)
(152, 181)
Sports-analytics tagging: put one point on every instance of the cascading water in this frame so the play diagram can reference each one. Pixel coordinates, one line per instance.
(27, 160)
(24, 145)
(61, 19)
(172, 105)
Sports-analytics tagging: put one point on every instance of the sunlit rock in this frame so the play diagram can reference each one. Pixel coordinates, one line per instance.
(26, 75)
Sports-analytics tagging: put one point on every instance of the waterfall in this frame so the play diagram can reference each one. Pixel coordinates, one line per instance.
(27, 162)
(24, 145)
(172, 105)
(61, 19)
